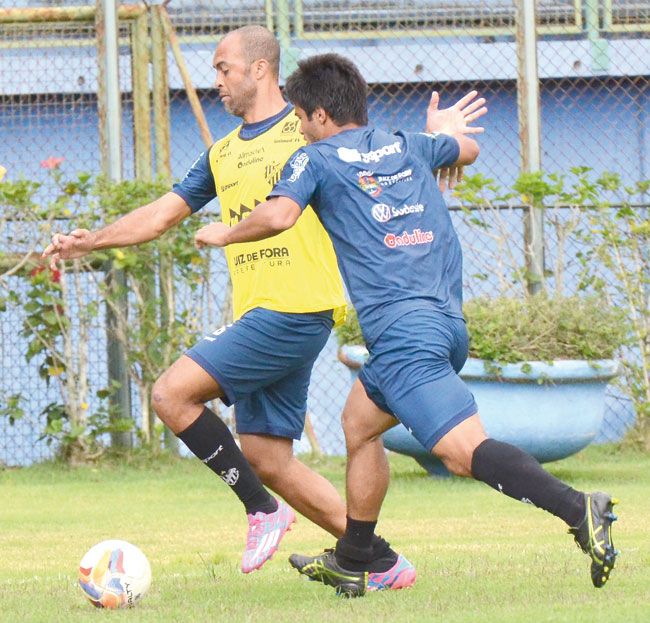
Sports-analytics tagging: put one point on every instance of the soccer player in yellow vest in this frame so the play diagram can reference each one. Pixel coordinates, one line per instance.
(287, 296)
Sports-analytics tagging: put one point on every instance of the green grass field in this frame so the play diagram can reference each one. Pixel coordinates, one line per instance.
(480, 556)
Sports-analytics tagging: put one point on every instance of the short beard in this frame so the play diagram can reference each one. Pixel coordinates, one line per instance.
(242, 104)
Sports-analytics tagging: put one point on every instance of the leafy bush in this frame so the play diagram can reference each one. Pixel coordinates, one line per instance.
(350, 332)
(537, 328)
(62, 308)
(598, 232)
(542, 328)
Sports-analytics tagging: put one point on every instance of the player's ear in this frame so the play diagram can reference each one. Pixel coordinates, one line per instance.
(320, 115)
(260, 68)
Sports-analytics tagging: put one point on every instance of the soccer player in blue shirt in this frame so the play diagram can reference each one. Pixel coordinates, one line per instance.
(401, 260)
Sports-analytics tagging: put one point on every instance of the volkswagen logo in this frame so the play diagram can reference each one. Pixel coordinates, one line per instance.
(381, 212)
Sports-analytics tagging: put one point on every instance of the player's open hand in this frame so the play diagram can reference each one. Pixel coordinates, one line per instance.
(70, 246)
(214, 234)
(456, 118)
(448, 177)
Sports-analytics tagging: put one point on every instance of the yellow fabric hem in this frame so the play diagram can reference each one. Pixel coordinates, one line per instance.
(339, 312)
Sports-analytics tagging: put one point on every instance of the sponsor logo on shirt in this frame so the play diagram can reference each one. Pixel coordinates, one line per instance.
(290, 126)
(372, 184)
(294, 139)
(251, 152)
(381, 212)
(224, 149)
(298, 165)
(406, 239)
(402, 176)
(244, 211)
(228, 186)
(273, 257)
(272, 173)
(354, 155)
(384, 213)
(262, 254)
(252, 156)
(244, 163)
(369, 184)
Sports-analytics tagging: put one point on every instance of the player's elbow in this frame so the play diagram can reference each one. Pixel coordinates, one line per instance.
(474, 152)
(282, 220)
(159, 226)
(164, 213)
(469, 151)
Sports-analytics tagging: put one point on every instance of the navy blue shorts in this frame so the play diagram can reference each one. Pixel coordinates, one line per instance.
(412, 374)
(263, 362)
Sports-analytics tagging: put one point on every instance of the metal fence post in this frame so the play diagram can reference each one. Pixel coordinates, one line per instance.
(162, 139)
(599, 46)
(289, 55)
(529, 135)
(161, 123)
(107, 56)
(141, 96)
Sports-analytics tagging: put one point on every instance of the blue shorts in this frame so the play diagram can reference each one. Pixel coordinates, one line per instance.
(412, 374)
(263, 363)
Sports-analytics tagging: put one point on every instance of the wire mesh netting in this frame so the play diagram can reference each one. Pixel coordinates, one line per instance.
(593, 59)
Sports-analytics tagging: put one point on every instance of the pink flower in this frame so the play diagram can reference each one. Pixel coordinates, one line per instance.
(36, 270)
(52, 162)
(55, 274)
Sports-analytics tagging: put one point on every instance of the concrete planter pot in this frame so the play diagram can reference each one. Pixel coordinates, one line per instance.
(549, 410)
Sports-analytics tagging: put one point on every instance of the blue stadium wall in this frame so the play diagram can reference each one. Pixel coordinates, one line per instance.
(613, 116)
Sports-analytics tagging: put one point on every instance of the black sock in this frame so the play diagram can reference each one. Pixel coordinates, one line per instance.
(517, 474)
(383, 556)
(354, 550)
(212, 442)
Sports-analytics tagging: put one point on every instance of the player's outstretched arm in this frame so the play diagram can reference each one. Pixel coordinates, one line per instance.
(267, 219)
(141, 225)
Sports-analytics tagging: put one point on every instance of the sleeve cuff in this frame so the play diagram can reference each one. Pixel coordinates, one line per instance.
(288, 194)
(195, 205)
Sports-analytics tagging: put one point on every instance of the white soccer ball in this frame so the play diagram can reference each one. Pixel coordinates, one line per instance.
(114, 574)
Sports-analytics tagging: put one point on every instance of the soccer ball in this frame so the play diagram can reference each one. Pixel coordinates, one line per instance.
(114, 574)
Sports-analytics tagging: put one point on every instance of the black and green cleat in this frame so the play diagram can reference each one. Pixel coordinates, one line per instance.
(305, 564)
(594, 536)
(324, 568)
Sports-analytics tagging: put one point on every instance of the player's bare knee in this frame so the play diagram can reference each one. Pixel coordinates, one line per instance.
(268, 470)
(356, 434)
(458, 463)
(163, 399)
(458, 468)
(158, 401)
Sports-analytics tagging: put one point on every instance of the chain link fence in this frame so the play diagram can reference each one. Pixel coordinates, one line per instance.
(593, 63)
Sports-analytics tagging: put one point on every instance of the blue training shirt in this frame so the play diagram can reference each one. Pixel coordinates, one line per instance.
(378, 200)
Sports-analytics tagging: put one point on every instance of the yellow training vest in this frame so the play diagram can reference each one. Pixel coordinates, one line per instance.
(295, 271)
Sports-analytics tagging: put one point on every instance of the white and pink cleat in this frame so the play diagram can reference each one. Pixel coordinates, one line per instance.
(265, 531)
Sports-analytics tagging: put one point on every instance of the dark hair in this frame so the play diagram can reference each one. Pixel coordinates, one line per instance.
(333, 83)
